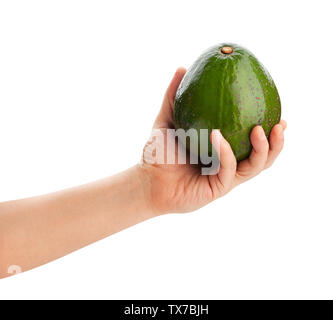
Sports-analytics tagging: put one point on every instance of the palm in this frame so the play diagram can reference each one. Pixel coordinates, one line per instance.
(181, 187)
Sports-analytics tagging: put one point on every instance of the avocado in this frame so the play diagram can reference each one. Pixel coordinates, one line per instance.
(227, 88)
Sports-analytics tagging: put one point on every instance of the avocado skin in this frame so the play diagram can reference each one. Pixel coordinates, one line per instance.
(231, 92)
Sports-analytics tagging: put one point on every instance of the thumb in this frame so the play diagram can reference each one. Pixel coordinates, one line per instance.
(222, 182)
(165, 116)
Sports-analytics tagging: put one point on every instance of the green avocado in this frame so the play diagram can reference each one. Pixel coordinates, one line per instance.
(227, 88)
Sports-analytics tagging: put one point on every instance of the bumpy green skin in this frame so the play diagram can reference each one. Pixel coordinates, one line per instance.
(231, 92)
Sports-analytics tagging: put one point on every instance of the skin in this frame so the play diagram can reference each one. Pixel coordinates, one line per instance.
(38, 230)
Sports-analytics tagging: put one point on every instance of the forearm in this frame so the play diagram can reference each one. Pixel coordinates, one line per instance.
(38, 230)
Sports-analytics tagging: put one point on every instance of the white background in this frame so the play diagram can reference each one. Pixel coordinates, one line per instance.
(80, 85)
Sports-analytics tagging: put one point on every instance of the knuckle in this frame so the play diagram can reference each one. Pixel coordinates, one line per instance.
(231, 165)
(268, 165)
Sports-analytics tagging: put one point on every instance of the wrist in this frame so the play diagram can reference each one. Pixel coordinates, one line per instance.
(143, 176)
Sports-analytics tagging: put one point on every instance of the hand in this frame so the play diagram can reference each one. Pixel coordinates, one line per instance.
(181, 187)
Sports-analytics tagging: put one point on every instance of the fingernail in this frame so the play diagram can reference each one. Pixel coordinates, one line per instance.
(262, 135)
(281, 134)
(216, 136)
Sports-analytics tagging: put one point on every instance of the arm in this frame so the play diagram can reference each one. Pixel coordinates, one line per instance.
(37, 230)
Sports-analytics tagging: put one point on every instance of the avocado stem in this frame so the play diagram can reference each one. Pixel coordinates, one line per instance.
(227, 50)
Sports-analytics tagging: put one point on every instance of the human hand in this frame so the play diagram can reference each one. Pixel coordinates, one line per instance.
(182, 187)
